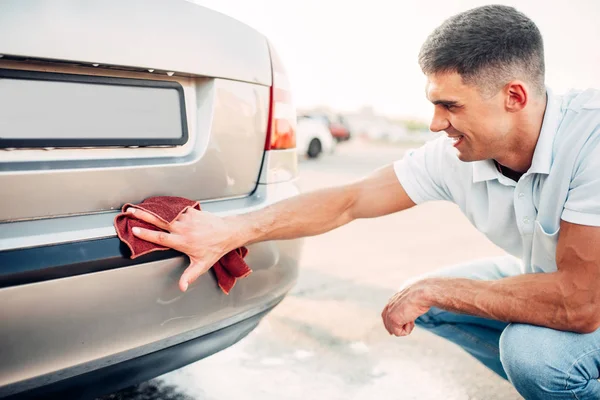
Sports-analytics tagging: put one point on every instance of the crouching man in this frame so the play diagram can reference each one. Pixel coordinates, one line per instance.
(522, 164)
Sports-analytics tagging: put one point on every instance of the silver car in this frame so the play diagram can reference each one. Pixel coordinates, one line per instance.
(109, 102)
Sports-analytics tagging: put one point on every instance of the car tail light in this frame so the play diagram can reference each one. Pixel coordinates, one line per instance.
(281, 132)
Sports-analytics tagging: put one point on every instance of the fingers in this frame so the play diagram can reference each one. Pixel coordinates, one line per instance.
(386, 314)
(164, 239)
(384, 317)
(147, 217)
(192, 273)
(394, 327)
(388, 321)
(402, 330)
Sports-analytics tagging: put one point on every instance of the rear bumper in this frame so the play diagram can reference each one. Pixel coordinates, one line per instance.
(119, 376)
(70, 311)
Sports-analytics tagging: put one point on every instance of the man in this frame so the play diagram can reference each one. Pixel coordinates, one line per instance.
(524, 167)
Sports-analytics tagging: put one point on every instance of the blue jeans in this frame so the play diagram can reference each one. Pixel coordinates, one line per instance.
(541, 363)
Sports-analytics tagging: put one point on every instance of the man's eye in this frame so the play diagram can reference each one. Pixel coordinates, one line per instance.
(449, 107)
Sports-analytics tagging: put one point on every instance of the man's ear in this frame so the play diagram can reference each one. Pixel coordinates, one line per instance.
(517, 95)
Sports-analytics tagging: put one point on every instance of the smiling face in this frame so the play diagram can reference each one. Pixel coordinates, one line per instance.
(479, 125)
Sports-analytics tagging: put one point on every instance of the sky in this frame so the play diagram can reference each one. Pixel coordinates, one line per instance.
(355, 53)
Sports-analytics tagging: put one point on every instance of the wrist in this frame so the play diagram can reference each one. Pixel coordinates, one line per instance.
(427, 293)
(241, 231)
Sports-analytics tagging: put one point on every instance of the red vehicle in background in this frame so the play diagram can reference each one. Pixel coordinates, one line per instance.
(337, 125)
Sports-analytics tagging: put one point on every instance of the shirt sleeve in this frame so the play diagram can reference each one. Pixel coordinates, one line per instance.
(420, 172)
(583, 200)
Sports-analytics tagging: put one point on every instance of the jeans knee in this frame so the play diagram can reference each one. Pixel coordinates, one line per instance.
(518, 352)
(529, 358)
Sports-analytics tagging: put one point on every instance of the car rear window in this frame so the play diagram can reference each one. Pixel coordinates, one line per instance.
(40, 109)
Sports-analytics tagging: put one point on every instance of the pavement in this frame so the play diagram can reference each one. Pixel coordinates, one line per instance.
(326, 339)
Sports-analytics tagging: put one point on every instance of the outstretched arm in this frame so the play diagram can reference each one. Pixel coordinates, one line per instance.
(205, 237)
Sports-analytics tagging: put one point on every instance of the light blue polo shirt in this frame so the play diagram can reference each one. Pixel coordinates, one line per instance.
(523, 217)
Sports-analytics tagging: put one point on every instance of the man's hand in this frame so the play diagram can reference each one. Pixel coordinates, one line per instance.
(403, 308)
(204, 237)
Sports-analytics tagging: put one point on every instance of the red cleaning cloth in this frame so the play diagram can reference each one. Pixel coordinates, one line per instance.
(167, 208)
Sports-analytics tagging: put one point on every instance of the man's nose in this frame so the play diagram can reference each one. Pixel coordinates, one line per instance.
(439, 122)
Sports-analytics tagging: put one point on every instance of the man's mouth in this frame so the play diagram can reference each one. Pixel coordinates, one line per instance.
(456, 140)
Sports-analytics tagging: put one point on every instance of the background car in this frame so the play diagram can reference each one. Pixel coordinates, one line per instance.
(337, 124)
(170, 98)
(339, 128)
(313, 138)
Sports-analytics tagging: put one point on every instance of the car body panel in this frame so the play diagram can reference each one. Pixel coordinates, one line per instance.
(279, 166)
(58, 328)
(227, 120)
(114, 377)
(162, 35)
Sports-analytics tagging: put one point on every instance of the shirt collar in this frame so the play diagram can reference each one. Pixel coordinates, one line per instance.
(486, 170)
(542, 156)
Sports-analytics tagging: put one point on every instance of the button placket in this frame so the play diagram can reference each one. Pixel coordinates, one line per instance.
(524, 209)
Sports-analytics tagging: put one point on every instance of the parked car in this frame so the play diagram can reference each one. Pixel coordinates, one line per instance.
(338, 126)
(313, 138)
(110, 102)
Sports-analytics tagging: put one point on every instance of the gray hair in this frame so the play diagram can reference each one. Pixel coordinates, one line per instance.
(488, 47)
